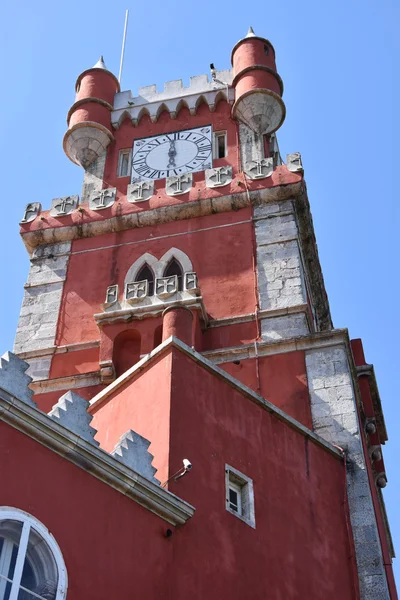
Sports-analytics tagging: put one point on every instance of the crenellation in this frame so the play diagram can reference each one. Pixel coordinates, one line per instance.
(171, 97)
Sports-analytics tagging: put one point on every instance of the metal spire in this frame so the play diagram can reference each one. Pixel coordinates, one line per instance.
(250, 32)
(100, 64)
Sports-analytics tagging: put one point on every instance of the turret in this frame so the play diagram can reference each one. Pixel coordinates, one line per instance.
(258, 87)
(89, 118)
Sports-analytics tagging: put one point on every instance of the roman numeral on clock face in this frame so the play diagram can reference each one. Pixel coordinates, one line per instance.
(172, 154)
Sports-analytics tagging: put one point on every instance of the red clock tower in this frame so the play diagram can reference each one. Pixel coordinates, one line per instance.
(180, 418)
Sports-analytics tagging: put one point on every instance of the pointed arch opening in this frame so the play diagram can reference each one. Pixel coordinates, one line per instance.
(174, 268)
(146, 274)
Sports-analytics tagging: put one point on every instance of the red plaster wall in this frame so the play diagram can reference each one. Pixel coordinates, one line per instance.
(222, 258)
(299, 549)
(282, 381)
(46, 401)
(110, 544)
(299, 490)
(73, 363)
(142, 404)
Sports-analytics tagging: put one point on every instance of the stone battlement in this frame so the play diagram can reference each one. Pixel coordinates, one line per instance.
(172, 98)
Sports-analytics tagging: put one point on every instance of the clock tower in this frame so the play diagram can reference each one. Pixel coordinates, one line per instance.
(178, 306)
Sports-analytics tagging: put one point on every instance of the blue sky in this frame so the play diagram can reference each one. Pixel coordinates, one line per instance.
(339, 62)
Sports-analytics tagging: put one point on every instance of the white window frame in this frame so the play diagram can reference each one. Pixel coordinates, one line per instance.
(124, 152)
(28, 522)
(216, 135)
(243, 485)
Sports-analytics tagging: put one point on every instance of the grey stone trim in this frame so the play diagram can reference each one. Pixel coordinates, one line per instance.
(280, 275)
(285, 327)
(334, 414)
(93, 460)
(32, 210)
(38, 319)
(140, 191)
(281, 346)
(61, 207)
(156, 306)
(14, 379)
(294, 162)
(66, 383)
(191, 353)
(37, 323)
(133, 450)
(179, 185)
(93, 177)
(39, 368)
(45, 352)
(71, 412)
(101, 199)
(279, 265)
(164, 214)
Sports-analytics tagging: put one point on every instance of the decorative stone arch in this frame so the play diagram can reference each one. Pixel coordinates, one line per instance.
(143, 112)
(134, 269)
(44, 555)
(181, 104)
(221, 95)
(180, 256)
(201, 100)
(123, 116)
(162, 108)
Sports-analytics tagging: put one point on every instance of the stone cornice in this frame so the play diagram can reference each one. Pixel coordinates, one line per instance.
(310, 253)
(271, 347)
(369, 371)
(191, 353)
(65, 383)
(93, 460)
(142, 311)
(34, 235)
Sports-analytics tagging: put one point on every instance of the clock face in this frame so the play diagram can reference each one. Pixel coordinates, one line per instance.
(172, 154)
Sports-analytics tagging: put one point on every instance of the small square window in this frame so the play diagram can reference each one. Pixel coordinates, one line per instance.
(239, 495)
(220, 145)
(124, 163)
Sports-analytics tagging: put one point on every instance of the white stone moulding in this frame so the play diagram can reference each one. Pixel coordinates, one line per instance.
(136, 291)
(294, 162)
(32, 210)
(60, 207)
(172, 98)
(101, 199)
(218, 177)
(178, 185)
(191, 283)
(140, 191)
(166, 286)
(260, 169)
(111, 295)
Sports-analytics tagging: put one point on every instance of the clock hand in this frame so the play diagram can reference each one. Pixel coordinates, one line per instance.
(171, 154)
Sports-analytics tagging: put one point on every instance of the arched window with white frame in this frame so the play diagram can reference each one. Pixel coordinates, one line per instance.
(174, 268)
(31, 563)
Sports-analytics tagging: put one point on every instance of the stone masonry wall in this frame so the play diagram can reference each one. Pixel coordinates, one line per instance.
(334, 414)
(280, 272)
(38, 319)
(93, 177)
